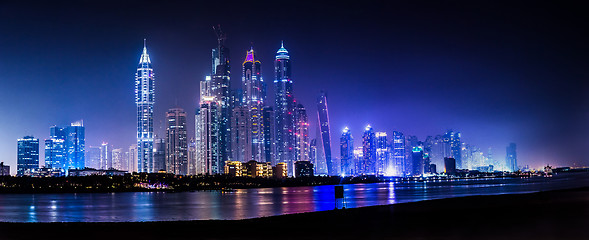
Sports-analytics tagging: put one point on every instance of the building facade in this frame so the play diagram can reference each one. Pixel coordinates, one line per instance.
(285, 110)
(347, 153)
(27, 155)
(176, 142)
(325, 133)
(145, 99)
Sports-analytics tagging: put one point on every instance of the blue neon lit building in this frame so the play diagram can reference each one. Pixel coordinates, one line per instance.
(27, 155)
(144, 98)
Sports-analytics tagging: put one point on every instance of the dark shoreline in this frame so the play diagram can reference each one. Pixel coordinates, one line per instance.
(559, 214)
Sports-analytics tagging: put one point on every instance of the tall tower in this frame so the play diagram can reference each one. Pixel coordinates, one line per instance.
(176, 142)
(144, 98)
(254, 101)
(398, 148)
(27, 155)
(268, 131)
(382, 153)
(325, 133)
(511, 158)
(369, 151)
(285, 110)
(347, 153)
(301, 134)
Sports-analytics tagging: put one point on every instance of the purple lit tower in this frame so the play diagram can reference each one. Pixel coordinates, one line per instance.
(253, 86)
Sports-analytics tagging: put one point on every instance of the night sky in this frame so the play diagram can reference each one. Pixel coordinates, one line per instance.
(498, 72)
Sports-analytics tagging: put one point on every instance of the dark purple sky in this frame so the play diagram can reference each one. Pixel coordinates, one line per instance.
(499, 72)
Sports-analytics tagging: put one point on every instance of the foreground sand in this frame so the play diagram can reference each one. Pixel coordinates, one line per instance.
(560, 214)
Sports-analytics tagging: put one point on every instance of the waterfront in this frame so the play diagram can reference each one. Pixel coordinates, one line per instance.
(253, 203)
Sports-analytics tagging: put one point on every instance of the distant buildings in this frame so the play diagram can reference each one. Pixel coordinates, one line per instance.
(368, 163)
(176, 142)
(27, 155)
(4, 169)
(284, 110)
(347, 153)
(398, 154)
(159, 154)
(450, 166)
(65, 148)
(511, 158)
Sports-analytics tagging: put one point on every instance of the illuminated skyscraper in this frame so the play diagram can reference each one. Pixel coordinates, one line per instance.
(452, 140)
(105, 156)
(382, 153)
(368, 164)
(192, 157)
(347, 153)
(239, 147)
(285, 110)
(417, 159)
(159, 154)
(92, 157)
(27, 155)
(325, 133)
(66, 147)
(268, 131)
(132, 159)
(313, 151)
(117, 159)
(398, 148)
(176, 142)
(301, 134)
(144, 98)
(254, 101)
(209, 154)
(511, 158)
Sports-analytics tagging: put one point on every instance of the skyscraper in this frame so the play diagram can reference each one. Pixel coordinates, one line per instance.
(453, 139)
(176, 142)
(325, 133)
(301, 134)
(65, 148)
(118, 161)
(417, 159)
(347, 153)
(511, 158)
(144, 98)
(192, 157)
(382, 153)
(209, 153)
(92, 157)
(27, 155)
(398, 155)
(285, 110)
(368, 164)
(105, 156)
(254, 101)
(159, 154)
(132, 160)
(239, 122)
(268, 132)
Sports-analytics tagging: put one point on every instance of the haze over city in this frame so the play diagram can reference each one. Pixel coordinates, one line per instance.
(497, 74)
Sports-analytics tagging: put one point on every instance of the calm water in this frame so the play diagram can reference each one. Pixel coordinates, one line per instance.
(250, 203)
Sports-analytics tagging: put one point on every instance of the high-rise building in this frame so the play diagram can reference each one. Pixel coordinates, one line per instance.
(213, 118)
(145, 98)
(268, 132)
(176, 142)
(410, 143)
(313, 151)
(27, 155)
(192, 157)
(239, 146)
(325, 133)
(382, 153)
(417, 159)
(368, 163)
(132, 160)
(347, 153)
(452, 139)
(285, 110)
(511, 158)
(301, 134)
(398, 155)
(118, 160)
(92, 157)
(65, 148)
(210, 152)
(450, 166)
(159, 154)
(254, 101)
(105, 156)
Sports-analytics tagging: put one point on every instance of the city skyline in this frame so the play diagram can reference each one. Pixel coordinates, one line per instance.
(496, 125)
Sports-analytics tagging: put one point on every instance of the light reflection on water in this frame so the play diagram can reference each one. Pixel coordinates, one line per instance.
(251, 203)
